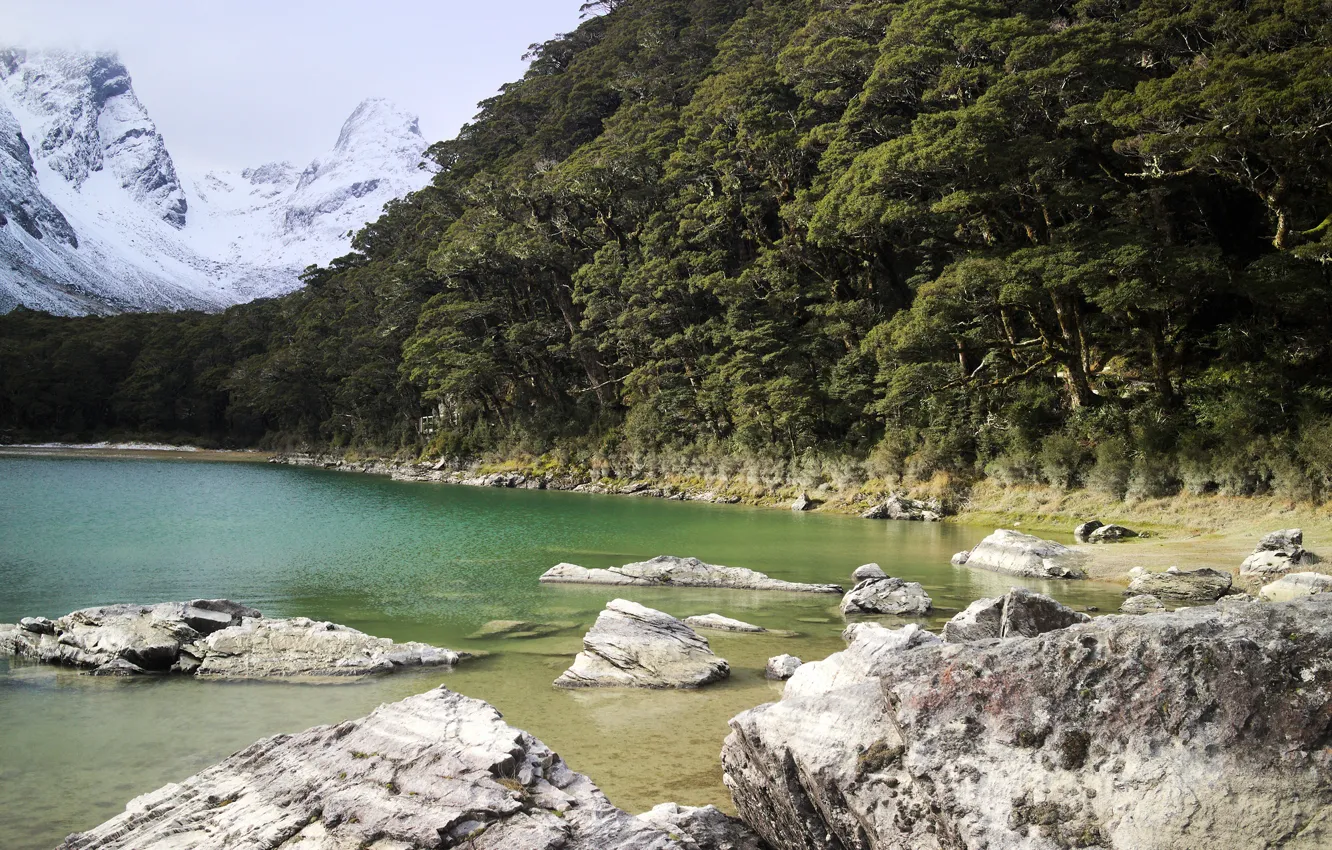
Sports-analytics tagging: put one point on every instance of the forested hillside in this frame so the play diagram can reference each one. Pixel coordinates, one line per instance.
(1082, 242)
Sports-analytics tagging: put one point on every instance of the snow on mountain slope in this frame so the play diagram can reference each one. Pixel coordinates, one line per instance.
(95, 219)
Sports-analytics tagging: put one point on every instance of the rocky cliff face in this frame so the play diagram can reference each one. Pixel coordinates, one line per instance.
(1202, 728)
(96, 217)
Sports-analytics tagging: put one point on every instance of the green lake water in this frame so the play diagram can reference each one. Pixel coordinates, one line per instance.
(410, 562)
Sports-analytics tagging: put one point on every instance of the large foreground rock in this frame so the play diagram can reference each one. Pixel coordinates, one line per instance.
(631, 645)
(1018, 613)
(1203, 728)
(1200, 586)
(886, 595)
(438, 770)
(210, 637)
(671, 571)
(1017, 554)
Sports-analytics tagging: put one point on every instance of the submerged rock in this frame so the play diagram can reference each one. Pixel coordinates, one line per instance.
(960, 559)
(634, 646)
(518, 629)
(672, 571)
(781, 667)
(436, 770)
(702, 827)
(1204, 728)
(1143, 603)
(1200, 586)
(722, 624)
(1296, 585)
(1018, 613)
(1017, 554)
(214, 638)
(886, 595)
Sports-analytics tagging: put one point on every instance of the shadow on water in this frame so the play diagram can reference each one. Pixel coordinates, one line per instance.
(410, 562)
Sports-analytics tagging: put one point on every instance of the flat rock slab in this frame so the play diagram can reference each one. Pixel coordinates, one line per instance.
(719, 623)
(519, 630)
(1296, 585)
(631, 645)
(1197, 729)
(1013, 553)
(1018, 613)
(437, 770)
(212, 638)
(671, 571)
(886, 595)
(1198, 586)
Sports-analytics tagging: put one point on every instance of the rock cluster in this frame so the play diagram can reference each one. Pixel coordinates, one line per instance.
(1200, 586)
(213, 638)
(1201, 728)
(1018, 613)
(437, 770)
(911, 510)
(886, 595)
(672, 571)
(1013, 553)
(1278, 553)
(1095, 531)
(631, 645)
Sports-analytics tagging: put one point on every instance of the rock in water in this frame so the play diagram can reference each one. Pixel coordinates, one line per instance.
(782, 667)
(886, 595)
(1018, 613)
(702, 827)
(670, 571)
(304, 648)
(518, 629)
(432, 771)
(719, 623)
(1296, 585)
(1109, 534)
(211, 637)
(865, 571)
(1018, 554)
(1204, 728)
(1197, 586)
(1142, 604)
(802, 503)
(1084, 530)
(631, 645)
(902, 508)
(960, 559)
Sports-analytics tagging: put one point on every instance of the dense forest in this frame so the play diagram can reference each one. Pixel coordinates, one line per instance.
(1081, 242)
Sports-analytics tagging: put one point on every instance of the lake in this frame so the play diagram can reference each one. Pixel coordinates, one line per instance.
(407, 561)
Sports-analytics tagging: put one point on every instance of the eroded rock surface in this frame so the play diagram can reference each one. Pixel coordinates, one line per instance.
(1194, 586)
(438, 770)
(672, 571)
(1017, 554)
(886, 595)
(1018, 613)
(702, 827)
(210, 637)
(631, 645)
(1202, 728)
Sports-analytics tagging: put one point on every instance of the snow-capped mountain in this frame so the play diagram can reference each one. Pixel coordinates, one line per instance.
(94, 217)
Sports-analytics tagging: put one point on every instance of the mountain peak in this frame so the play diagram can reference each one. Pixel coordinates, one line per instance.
(377, 118)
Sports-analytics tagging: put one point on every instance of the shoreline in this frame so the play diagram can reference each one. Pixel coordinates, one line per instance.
(1185, 531)
(136, 451)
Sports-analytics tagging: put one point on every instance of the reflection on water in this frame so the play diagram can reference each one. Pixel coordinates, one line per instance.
(410, 562)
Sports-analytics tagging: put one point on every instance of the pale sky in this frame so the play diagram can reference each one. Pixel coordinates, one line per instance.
(234, 83)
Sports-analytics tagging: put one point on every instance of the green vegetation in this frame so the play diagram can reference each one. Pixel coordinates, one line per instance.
(1083, 243)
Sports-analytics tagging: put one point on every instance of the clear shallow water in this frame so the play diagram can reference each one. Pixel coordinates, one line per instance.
(411, 562)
